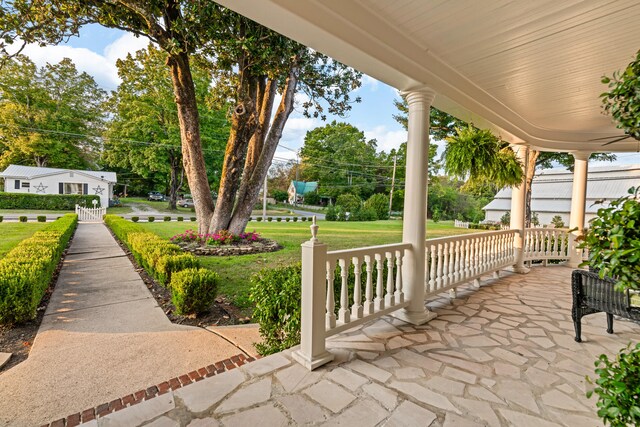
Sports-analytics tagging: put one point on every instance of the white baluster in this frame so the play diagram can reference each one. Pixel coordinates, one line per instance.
(433, 266)
(368, 293)
(439, 283)
(344, 315)
(399, 295)
(356, 308)
(331, 303)
(379, 301)
(389, 299)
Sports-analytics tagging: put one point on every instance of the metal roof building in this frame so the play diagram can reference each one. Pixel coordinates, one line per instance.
(551, 192)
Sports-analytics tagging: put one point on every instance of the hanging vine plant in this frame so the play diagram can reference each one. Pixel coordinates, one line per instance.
(622, 101)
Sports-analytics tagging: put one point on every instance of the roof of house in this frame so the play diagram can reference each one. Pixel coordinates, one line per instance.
(303, 188)
(551, 189)
(32, 172)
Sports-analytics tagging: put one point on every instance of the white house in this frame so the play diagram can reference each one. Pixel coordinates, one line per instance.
(29, 179)
(551, 192)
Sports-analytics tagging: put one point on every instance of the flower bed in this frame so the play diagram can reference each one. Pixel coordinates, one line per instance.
(224, 243)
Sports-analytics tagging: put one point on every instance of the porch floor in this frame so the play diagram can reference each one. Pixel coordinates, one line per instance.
(500, 355)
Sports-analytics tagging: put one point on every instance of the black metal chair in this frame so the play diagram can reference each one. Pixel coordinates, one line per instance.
(591, 294)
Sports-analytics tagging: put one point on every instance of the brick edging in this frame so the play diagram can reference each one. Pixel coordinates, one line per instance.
(151, 392)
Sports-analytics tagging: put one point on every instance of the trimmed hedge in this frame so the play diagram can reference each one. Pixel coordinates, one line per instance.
(26, 271)
(41, 218)
(193, 290)
(157, 256)
(60, 202)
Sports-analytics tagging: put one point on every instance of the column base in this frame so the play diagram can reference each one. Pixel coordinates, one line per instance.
(574, 264)
(518, 269)
(314, 362)
(415, 318)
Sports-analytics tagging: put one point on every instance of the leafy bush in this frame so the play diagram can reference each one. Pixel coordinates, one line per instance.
(613, 240)
(380, 204)
(26, 271)
(287, 219)
(167, 218)
(312, 198)
(193, 290)
(22, 219)
(535, 220)
(180, 219)
(151, 218)
(330, 214)
(276, 294)
(623, 98)
(436, 216)
(193, 219)
(349, 202)
(269, 219)
(304, 218)
(557, 221)
(506, 218)
(295, 219)
(363, 214)
(41, 218)
(167, 265)
(259, 219)
(1, 218)
(279, 219)
(618, 387)
(279, 195)
(54, 202)
(135, 218)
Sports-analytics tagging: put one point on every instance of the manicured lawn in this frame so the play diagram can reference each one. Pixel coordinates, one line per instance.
(236, 271)
(14, 232)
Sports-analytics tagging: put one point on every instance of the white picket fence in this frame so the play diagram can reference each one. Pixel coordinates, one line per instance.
(461, 224)
(90, 214)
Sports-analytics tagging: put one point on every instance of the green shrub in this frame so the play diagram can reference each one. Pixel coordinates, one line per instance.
(436, 215)
(135, 218)
(380, 204)
(193, 219)
(276, 294)
(304, 218)
(54, 202)
(363, 214)
(618, 387)
(312, 198)
(167, 218)
(1, 218)
(151, 218)
(349, 202)
(166, 265)
(295, 219)
(506, 218)
(193, 290)
(331, 214)
(180, 219)
(259, 219)
(287, 219)
(269, 219)
(279, 219)
(22, 219)
(27, 270)
(557, 221)
(41, 218)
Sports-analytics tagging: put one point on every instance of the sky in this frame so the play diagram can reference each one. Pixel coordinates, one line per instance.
(97, 49)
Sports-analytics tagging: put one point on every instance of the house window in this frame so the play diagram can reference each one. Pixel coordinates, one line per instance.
(25, 184)
(16, 184)
(73, 188)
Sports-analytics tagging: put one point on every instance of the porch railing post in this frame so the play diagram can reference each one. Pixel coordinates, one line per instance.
(312, 352)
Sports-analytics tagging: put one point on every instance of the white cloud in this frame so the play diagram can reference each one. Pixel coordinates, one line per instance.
(387, 139)
(101, 67)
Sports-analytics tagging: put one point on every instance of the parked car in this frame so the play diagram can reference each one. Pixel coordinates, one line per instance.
(185, 203)
(155, 196)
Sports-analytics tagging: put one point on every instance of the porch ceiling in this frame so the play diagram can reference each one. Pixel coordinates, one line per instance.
(529, 70)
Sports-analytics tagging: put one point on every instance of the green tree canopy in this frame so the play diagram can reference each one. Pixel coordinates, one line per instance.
(622, 100)
(49, 116)
(144, 133)
(341, 159)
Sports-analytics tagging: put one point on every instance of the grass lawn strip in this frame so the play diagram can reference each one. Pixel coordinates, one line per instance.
(235, 271)
(15, 232)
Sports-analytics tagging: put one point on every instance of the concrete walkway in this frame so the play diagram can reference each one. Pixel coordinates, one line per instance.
(102, 336)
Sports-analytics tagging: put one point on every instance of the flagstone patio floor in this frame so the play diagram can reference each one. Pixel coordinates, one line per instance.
(501, 355)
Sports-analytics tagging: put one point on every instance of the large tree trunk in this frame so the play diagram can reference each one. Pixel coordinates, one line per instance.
(261, 154)
(192, 157)
(174, 167)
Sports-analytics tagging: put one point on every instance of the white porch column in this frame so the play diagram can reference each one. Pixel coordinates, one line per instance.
(415, 206)
(518, 204)
(578, 204)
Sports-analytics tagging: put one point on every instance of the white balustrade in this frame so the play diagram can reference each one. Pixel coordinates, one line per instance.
(461, 224)
(452, 261)
(546, 244)
(90, 214)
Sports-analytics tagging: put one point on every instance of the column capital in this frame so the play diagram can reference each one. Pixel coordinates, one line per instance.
(581, 155)
(423, 95)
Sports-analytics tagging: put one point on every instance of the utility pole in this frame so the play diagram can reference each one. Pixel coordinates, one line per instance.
(264, 200)
(393, 181)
